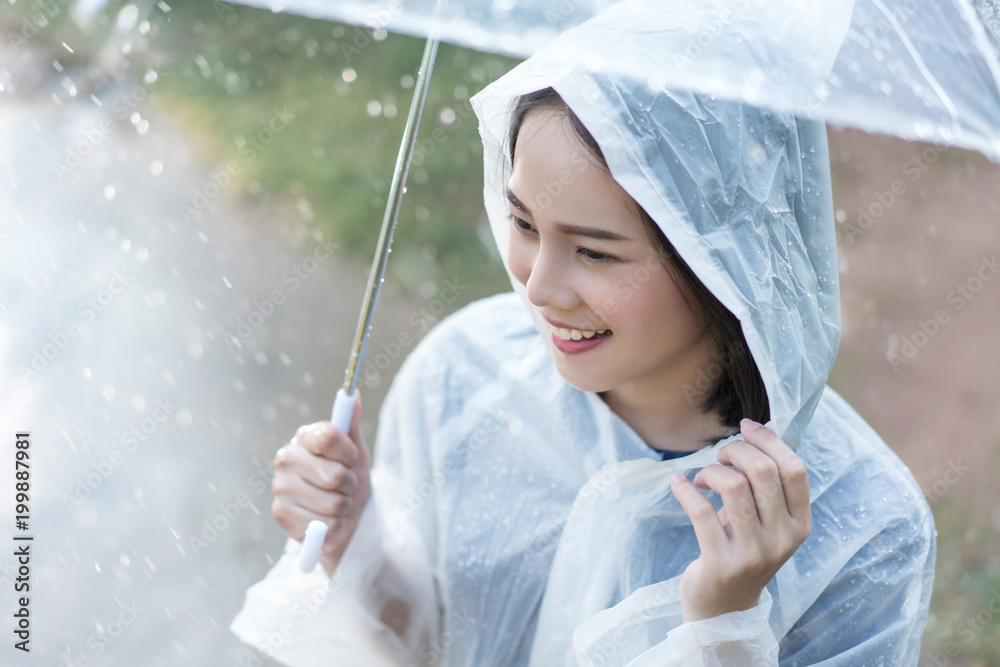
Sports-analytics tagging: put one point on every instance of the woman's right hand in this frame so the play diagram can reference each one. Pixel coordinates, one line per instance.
(323, 474)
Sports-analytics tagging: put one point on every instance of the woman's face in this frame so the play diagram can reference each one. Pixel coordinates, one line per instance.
(582, 253)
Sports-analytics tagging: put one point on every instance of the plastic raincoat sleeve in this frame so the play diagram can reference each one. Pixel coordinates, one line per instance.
(843, 627)
(382, 582)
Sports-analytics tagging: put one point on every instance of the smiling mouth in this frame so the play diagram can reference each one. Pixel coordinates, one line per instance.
(578, 334)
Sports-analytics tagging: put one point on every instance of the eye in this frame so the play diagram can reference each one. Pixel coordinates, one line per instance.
(522, 225)
(594, 256)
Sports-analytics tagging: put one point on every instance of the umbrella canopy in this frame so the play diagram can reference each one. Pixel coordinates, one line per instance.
(915, 69)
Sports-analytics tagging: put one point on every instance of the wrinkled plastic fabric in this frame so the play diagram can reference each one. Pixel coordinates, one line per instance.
(918, 69)
(521, 522)
(551, 537)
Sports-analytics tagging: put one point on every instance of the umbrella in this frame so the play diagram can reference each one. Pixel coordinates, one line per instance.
(916, 70)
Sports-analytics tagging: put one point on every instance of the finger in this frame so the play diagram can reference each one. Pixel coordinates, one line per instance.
(707, 527)
(765, 482)
(318, 501)
(323, 439)
(737, 498)
(328, 475)
(791, 468)
(294, 519)
(319, 471)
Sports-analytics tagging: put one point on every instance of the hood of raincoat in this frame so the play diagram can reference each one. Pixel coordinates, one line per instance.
(742, 193)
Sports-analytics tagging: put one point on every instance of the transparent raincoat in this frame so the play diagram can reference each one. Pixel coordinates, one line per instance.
(518, 521)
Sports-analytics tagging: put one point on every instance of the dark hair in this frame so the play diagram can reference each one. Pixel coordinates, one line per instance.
(738, 390)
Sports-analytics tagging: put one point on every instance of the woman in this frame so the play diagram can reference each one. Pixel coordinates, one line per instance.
(533, 499)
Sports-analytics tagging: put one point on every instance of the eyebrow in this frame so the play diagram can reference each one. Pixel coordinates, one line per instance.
(575, 230)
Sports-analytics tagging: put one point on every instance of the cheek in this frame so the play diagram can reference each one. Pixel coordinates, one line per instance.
(520, 259)
(655, 308)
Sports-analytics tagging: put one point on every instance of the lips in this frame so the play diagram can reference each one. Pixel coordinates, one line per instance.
(571, 340)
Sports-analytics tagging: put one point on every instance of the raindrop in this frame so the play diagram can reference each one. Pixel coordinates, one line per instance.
(109, 192)
(108, 392)
(156, 167)
(128, 17)
(269, 413)
(374, 108)
(86, 373)
(138, 402)
(349, 75)
(260, 357)
(141, 255)
(406, 81)
(226, 281)
(389, 110)
(184, 417)
(447, 115)
(126, 245)
(195, 350)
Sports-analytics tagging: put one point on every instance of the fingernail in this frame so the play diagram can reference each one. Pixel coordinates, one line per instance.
(677, 479)
(749, 424)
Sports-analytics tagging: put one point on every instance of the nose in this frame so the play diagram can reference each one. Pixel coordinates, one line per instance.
(548, 285)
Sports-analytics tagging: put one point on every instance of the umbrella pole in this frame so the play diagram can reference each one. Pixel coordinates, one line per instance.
(343, 406)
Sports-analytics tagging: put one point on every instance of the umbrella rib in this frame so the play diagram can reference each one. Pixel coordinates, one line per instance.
(921, 65)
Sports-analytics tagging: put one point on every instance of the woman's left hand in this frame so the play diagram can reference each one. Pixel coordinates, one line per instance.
(764, 518)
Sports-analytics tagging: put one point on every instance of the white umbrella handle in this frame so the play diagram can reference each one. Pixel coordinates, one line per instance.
(312, 543)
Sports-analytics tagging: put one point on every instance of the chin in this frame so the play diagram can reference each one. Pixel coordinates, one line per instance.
(585, 381)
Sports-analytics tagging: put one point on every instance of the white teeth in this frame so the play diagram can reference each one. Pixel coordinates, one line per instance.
(574, 334)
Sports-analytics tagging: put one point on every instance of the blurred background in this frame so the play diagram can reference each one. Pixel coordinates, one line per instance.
(190, 194)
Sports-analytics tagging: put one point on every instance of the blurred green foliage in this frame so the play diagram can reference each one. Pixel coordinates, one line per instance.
(964, 623)
(224, 69)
